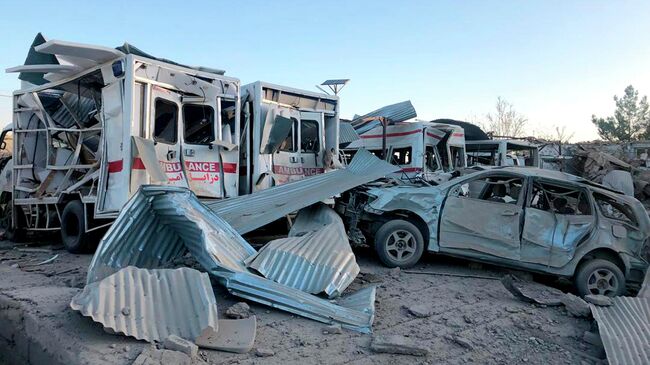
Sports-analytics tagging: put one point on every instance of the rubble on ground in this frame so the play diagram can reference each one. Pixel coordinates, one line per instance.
(576, 306)
(598, 299)
(239, 311)
(396, 344)
(532, 292)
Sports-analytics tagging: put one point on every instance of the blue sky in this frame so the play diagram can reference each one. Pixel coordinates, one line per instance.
(558, 62)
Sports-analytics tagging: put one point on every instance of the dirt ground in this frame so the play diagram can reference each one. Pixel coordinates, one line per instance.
(473, 320)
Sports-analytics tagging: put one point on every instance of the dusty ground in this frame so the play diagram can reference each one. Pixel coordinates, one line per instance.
(473, 320)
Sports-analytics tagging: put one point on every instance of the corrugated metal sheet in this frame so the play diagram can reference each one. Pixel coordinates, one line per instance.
(394, 113)
(151, 305)
(161, 223)
(347, 133)
(355, 311)
(625, 330)
(153, 227)
(246, 213)
(317, 261)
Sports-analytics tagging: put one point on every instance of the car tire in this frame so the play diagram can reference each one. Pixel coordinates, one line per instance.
(73, 228)
(599, 276)
(399, 243)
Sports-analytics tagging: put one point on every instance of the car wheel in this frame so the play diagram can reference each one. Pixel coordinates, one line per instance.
(399, 243)
(16, 235)
(73, 228)
(600, 276)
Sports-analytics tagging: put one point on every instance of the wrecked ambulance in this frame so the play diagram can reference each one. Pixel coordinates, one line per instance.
(91, 124)
(532, 219)
(287, 134)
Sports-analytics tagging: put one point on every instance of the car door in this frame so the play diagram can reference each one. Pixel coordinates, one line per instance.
(287, 166)
(166, 129)
(200, 156)
(311, 143)
(558, 217)
(484, 214)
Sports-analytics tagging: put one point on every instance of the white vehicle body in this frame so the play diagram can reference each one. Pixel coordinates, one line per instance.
(118, 122)
(417, 147)
(503, 152)
(289, 134)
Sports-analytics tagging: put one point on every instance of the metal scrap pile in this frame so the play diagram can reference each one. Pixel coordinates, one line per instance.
(162, 223)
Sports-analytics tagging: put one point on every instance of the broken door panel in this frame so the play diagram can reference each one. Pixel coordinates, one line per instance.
(481, 225)
(200, 157)
(537, 236)
(311, 143)
(165, 111)
(570, 230)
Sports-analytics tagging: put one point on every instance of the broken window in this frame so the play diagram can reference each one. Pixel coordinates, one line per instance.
(500, 189)
(198, 123)
(613, 209)
(430, 159)
(457, 156)
(559, 199)
(228, 127)
(309, 133)
(291, 141)
(165, 122)
(401, 156)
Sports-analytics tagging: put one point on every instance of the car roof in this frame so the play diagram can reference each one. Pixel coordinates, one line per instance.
(555, 175)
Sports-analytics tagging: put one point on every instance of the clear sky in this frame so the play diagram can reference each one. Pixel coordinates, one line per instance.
(558, 62)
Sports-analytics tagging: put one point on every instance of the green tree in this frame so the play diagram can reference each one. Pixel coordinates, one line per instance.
(631, 120)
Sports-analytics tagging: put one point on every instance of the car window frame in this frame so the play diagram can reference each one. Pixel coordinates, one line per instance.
(522, 194)
(569, 185)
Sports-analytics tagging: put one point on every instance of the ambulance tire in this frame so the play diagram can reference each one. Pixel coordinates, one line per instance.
(73, 231)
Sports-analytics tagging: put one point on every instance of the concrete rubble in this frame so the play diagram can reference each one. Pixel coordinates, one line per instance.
(176, 343)
(532, 292)
(576, 306)
(396, 344)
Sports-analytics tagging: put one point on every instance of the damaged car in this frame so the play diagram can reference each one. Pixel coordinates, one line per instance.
(526, 218)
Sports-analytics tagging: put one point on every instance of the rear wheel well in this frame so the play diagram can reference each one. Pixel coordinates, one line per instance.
(605, 254)
(407, 216)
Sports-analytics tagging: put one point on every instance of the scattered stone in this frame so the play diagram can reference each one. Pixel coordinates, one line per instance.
(15, 266)
(463, 342)
(576, 306)
(600, 300)
(153, 356)
(112, 346)
(395, 344)
(419, 310)
(240, 310)
(334, 329)
(371, 278)
(395, 272)
(126, 311)
(532, 292)
(512, 309)
(176, 343)
(262, 352)
(126, 348)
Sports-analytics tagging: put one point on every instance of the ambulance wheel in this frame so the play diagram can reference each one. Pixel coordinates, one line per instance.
(16, 235)
(73, 228)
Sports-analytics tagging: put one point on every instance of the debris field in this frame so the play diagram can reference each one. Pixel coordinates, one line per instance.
(458, 317)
